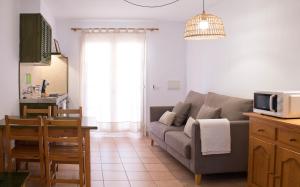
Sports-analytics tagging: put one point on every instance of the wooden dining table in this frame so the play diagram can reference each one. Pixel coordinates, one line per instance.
(87, 125)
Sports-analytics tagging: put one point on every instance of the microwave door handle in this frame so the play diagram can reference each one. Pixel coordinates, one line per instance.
(271, 103)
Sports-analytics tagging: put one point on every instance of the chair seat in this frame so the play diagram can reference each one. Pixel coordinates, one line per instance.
(64, 153)
(26, 152)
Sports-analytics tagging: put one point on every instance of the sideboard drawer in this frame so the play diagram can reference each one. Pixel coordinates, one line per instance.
(289, 137)
(261, 129)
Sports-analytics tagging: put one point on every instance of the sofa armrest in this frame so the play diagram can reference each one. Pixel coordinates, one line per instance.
(239, 148)
(157, 111)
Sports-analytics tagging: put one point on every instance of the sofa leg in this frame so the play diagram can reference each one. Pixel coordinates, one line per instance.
(198, 179)
(152, 142)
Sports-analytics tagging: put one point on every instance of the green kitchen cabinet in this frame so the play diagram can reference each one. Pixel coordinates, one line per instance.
(35, 39)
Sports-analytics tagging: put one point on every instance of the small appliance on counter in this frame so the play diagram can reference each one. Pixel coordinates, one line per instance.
(44, 86)
(285, 104)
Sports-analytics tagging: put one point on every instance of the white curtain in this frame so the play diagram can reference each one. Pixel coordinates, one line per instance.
(112, 76)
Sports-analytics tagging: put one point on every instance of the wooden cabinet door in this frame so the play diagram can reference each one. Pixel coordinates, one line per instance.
(287, 168)
(261, 163)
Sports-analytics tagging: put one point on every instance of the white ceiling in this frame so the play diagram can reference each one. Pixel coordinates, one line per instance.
(119, 9)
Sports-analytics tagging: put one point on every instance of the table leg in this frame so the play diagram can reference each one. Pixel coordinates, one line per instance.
(1, 151)
(87, 158)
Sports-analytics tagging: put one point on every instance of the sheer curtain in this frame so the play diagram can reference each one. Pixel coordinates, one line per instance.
(112, 76)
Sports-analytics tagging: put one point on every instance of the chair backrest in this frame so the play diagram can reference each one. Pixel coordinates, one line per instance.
(24, 130)
(55, 132)
(32, 112)
(67, 112)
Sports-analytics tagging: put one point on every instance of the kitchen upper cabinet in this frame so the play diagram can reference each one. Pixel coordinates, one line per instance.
(261, 163)
(35, 39)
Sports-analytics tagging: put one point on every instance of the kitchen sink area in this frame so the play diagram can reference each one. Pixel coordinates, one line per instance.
(52, 98)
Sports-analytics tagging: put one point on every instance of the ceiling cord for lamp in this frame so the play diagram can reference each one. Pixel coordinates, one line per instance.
(151, 6)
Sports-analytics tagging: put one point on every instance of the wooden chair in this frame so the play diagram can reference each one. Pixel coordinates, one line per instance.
(55, 153)
(29, 130)
(33, 112)
(67, 112)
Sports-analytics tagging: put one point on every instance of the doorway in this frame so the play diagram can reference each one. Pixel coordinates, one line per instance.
(112, 79)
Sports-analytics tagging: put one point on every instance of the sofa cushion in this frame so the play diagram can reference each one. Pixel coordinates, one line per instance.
(159, 129)
(188, 127)
(207, 112)
(232, 107)
(196, 99)
(167, 118)
(182, 110)
(179, 142)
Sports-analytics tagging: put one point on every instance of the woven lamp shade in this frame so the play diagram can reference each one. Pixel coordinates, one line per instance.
(214, 30)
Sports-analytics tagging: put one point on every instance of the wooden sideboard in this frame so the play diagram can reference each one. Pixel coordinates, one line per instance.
(274, 152)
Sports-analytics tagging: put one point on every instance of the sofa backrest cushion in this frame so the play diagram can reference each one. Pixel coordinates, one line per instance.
(182, 110)
(232, 107)
(207, 112)
(196, 99)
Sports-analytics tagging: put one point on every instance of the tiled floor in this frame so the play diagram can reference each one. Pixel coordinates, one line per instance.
(127, 159)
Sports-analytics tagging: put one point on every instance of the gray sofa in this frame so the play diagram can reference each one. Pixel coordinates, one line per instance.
(188, 150)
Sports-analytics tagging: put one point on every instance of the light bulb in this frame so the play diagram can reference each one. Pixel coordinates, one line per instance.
(203, 25)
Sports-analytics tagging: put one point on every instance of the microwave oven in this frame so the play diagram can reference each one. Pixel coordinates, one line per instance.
(285, 104)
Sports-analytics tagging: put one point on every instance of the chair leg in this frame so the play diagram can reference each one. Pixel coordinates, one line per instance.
(48, 174)
(198, 178)
(152, 142)
(81, 173)
(43, 171)
(18, 165)
(9, 164)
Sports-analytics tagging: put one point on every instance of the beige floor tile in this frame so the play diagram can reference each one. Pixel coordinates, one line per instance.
(175, 166)
(171, 183)
(146, 154)
(131, 161)
(138, 176)
(67, 174)
(182, 174)
(139, 165)
(110, 160)
(147, 160)
(116, 184)
(109, 154)
(112, 167)
(108, 148)
(161, 175)
(114, 175)
(134, 167)
(156, 167)
(143, 184)
(128, 154)
(95, 160)
(96, 167)
(96, 176)
(64, 167)
(97, 184)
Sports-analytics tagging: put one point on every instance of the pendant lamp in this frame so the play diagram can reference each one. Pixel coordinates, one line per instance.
(204, 26)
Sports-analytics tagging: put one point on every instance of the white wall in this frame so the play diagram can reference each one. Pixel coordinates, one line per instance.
(260, 52)
(9, 50)
(165, 57)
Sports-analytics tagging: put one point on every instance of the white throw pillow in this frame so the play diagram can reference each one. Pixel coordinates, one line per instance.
(167, 118)
(188, 127)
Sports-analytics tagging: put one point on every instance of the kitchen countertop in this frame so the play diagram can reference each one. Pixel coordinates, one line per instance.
(45, 99)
